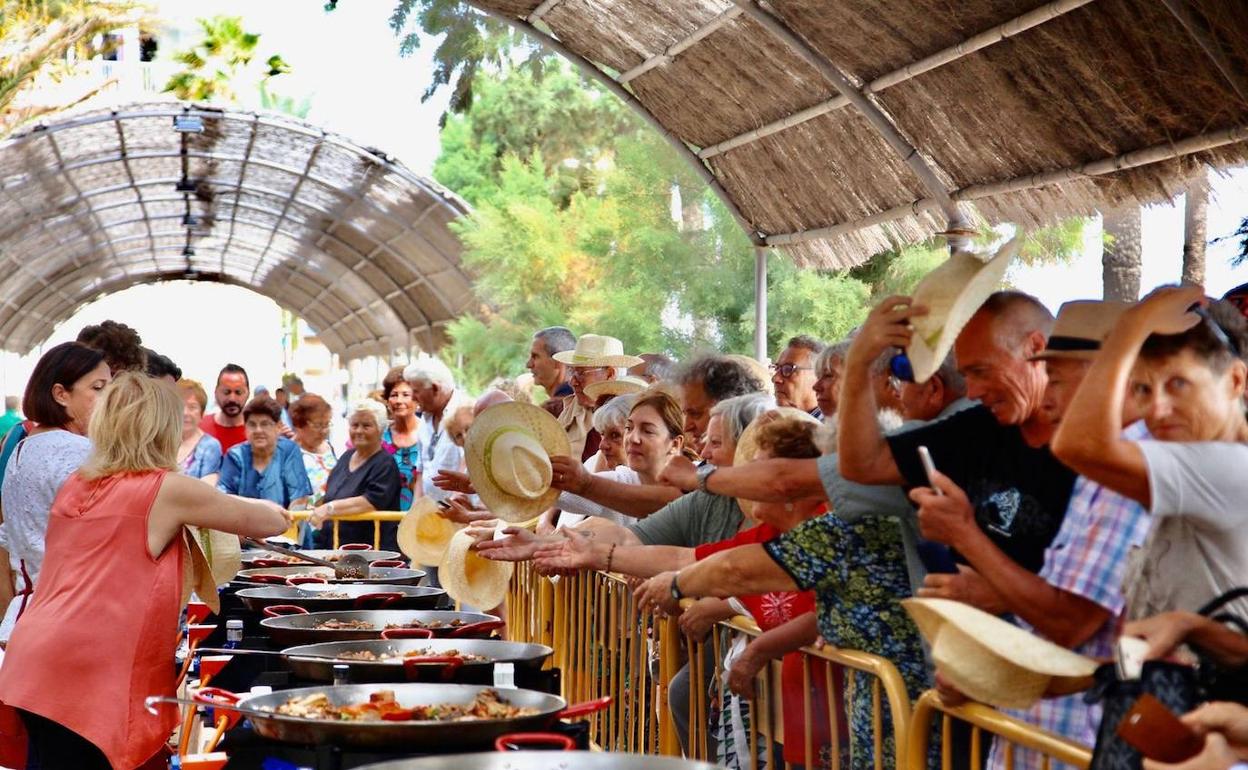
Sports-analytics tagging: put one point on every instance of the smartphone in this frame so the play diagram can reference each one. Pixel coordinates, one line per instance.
(1154, 731)
(929, 468)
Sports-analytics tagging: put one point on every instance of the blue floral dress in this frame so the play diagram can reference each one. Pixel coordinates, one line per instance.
(858, 572)
(409, 462)
(204, 459)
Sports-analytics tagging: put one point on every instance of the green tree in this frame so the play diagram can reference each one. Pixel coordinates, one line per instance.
(219, 61)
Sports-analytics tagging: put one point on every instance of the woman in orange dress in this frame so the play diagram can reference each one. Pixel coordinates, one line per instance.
(99, 636)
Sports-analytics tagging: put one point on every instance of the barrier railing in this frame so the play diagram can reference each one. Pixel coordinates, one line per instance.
(377, 517)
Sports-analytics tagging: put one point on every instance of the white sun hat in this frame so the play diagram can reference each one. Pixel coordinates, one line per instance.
(424, 533)
(471, 579)
(618, 386)
(508, 451)
(597, 350)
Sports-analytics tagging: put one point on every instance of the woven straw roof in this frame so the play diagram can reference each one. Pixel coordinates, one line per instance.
(838, 128)
(343, 236)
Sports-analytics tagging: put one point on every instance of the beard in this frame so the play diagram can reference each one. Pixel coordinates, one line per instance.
(231, 408)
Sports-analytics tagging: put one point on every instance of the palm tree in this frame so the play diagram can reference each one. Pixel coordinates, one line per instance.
(1195, 222)
(217, 61)
(1120, 258)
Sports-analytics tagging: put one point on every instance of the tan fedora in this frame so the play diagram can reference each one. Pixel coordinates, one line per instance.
(597, 350)
(994, 661)
(1080, 328)
(508, 451)
(471, 579)
(747, 444)
(424, 533)
(618, 386)
(222, 551)
(952, 293)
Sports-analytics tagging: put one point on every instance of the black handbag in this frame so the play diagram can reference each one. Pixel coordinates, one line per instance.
(1218, 682)
(1176, 685)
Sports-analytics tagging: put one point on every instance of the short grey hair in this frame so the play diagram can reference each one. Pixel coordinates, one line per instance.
(556, 339)
(739, 411)
(950, 376)
(614, 413)
(372, 407)
(429, 371)
(834, 352)
(658, 366)
(806, 342)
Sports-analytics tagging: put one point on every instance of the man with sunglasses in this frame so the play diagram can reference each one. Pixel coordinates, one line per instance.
(793, 375)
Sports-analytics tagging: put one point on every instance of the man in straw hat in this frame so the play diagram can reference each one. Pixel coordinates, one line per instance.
(1076, 600)
(596, 358)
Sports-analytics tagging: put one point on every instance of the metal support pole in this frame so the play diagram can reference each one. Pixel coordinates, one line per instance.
(760, 304)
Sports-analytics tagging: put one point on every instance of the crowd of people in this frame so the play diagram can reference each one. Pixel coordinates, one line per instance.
(1084, 487)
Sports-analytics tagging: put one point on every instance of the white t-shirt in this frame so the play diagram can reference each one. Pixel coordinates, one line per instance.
(1197, 547)
(438, 451)
(575, 508)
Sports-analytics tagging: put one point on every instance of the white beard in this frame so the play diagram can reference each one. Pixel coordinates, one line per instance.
(825, 437)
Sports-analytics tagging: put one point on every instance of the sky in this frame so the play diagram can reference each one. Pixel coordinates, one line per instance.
(348, 62)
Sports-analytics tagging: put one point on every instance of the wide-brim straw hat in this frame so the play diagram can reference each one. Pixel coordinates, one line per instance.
(521, 438)
(222, 551)
(597, 350)
(1080, 328)
(197, 574)
(952, 293)
(747, 444)
(471, 579)
(618, 386)
(994, 661)
(424, 533)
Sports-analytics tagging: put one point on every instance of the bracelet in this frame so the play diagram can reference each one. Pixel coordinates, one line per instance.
(610, 555)
(330, 506)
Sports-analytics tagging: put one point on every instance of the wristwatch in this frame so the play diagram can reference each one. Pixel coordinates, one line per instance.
(676, 594)
(704, 474)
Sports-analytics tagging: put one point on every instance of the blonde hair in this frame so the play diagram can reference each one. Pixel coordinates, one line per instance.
(136, 426)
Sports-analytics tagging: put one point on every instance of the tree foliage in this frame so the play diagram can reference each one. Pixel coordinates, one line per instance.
(221, 59)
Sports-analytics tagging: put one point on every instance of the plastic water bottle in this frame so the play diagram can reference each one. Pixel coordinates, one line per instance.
(342, 674)
(233, 634)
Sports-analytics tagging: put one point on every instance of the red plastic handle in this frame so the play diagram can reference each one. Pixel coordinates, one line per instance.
(586, 708)
(267, 563)
(388, 563)
(519, 741)
(406, 633)
(376, 601)
(264, 577)
(298, 580)
(356, 547)
(278, 610)
(197, 612)
(221, 700)
(450, 664)
(480, 627)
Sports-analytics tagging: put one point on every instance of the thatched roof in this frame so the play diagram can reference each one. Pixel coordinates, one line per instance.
(1028, 112)
(340, 234)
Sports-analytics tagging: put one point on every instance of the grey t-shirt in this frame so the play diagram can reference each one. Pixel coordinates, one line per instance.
(691, 520)
(1197, 548)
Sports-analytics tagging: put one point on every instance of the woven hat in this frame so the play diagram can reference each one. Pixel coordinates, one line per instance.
(597, 350)
(747, 444)
(197, 575)
(424, 533)
(952, 294)
(508, 451)
(471, 579)
(1080, 328)
(618, 386)
(222, 551)
(994, 661)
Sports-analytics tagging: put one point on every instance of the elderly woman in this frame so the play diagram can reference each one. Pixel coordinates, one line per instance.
(1186, 373)
(265, 466)
(828, 367)
(199, 455)
(310, 418)
(117, 555)
(400, 438)
(364, 480)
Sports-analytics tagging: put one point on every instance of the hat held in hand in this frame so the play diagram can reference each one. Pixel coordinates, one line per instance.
(471, 579)
(508, 451)
(424, 533)
(994, 661)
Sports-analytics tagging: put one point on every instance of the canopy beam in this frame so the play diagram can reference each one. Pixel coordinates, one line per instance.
(1200, 34)
(680, 46)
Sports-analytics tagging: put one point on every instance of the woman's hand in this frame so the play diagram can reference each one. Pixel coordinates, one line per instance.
(1218, 754)
(701, 616)
(680, 472)
(319, 515)
(1164, 632)
(569, 475)
(519, 545)
(1166, 310)
(744, 671)
(655, 595)
(459, 512)
(454, 481)
(569, 552)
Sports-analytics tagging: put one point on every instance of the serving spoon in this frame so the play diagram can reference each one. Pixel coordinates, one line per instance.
(352, 566)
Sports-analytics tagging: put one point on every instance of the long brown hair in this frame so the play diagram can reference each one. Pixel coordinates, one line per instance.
(669, 412)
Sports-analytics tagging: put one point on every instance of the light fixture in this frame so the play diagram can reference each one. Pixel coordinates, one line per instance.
(190, 220)
(188, 251)
(188, 124)
(185, 185)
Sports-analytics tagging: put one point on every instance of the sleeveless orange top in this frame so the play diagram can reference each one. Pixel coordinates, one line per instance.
(100, 634)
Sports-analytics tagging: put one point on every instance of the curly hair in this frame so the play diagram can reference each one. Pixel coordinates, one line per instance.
(306, 408)
(122, 347)
(790, 438)
(720, 376)
(263, 406)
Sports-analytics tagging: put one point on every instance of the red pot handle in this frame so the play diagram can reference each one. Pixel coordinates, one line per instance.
(356, 547)
(220, 700)
(268, 563)
(298, 580)
(388, 563)
(266, 578)
(376, 601)
(406, 633)
(586, 708)
(278, 610)
(518, 741)
(450, 664)
(480, 627)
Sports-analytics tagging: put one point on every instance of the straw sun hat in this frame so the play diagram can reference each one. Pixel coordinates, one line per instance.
(222, 552)
(615, 387)
(424, 533)
(470, 579)
(1080, 328)
(508, 451)
(994, 661)
(597, 350)
(952, 293)
(197, 574)
(747, 444)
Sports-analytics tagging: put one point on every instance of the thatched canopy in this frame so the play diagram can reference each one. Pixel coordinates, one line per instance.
(838, 128)
(343, 236)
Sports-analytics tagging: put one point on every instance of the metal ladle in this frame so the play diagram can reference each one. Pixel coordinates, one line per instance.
(352, 566)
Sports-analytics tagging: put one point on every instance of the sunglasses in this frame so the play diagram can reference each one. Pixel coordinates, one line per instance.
(788, 370)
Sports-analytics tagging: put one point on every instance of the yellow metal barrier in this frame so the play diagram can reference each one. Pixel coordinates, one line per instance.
(984, 719)
(374, 516)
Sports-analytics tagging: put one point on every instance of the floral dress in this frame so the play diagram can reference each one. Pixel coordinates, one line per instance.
(409, 461)
(858, 572)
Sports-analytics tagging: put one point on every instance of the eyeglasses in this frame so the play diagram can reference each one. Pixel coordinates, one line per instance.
(318, 425)
(788, 370)
(581, 372)
(1219, 333)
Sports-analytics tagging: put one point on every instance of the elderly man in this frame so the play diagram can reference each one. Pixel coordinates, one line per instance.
(654, 367)
(552, 375)
(226, 424)
(793, 374)
(704, 382)
(433, 388)
(595, 358)
(1076, 600)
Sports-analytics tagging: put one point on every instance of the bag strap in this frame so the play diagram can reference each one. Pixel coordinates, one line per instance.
(1224, 599)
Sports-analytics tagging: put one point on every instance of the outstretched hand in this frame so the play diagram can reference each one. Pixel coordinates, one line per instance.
(454, 481)
(570, 551)
(519, 545)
